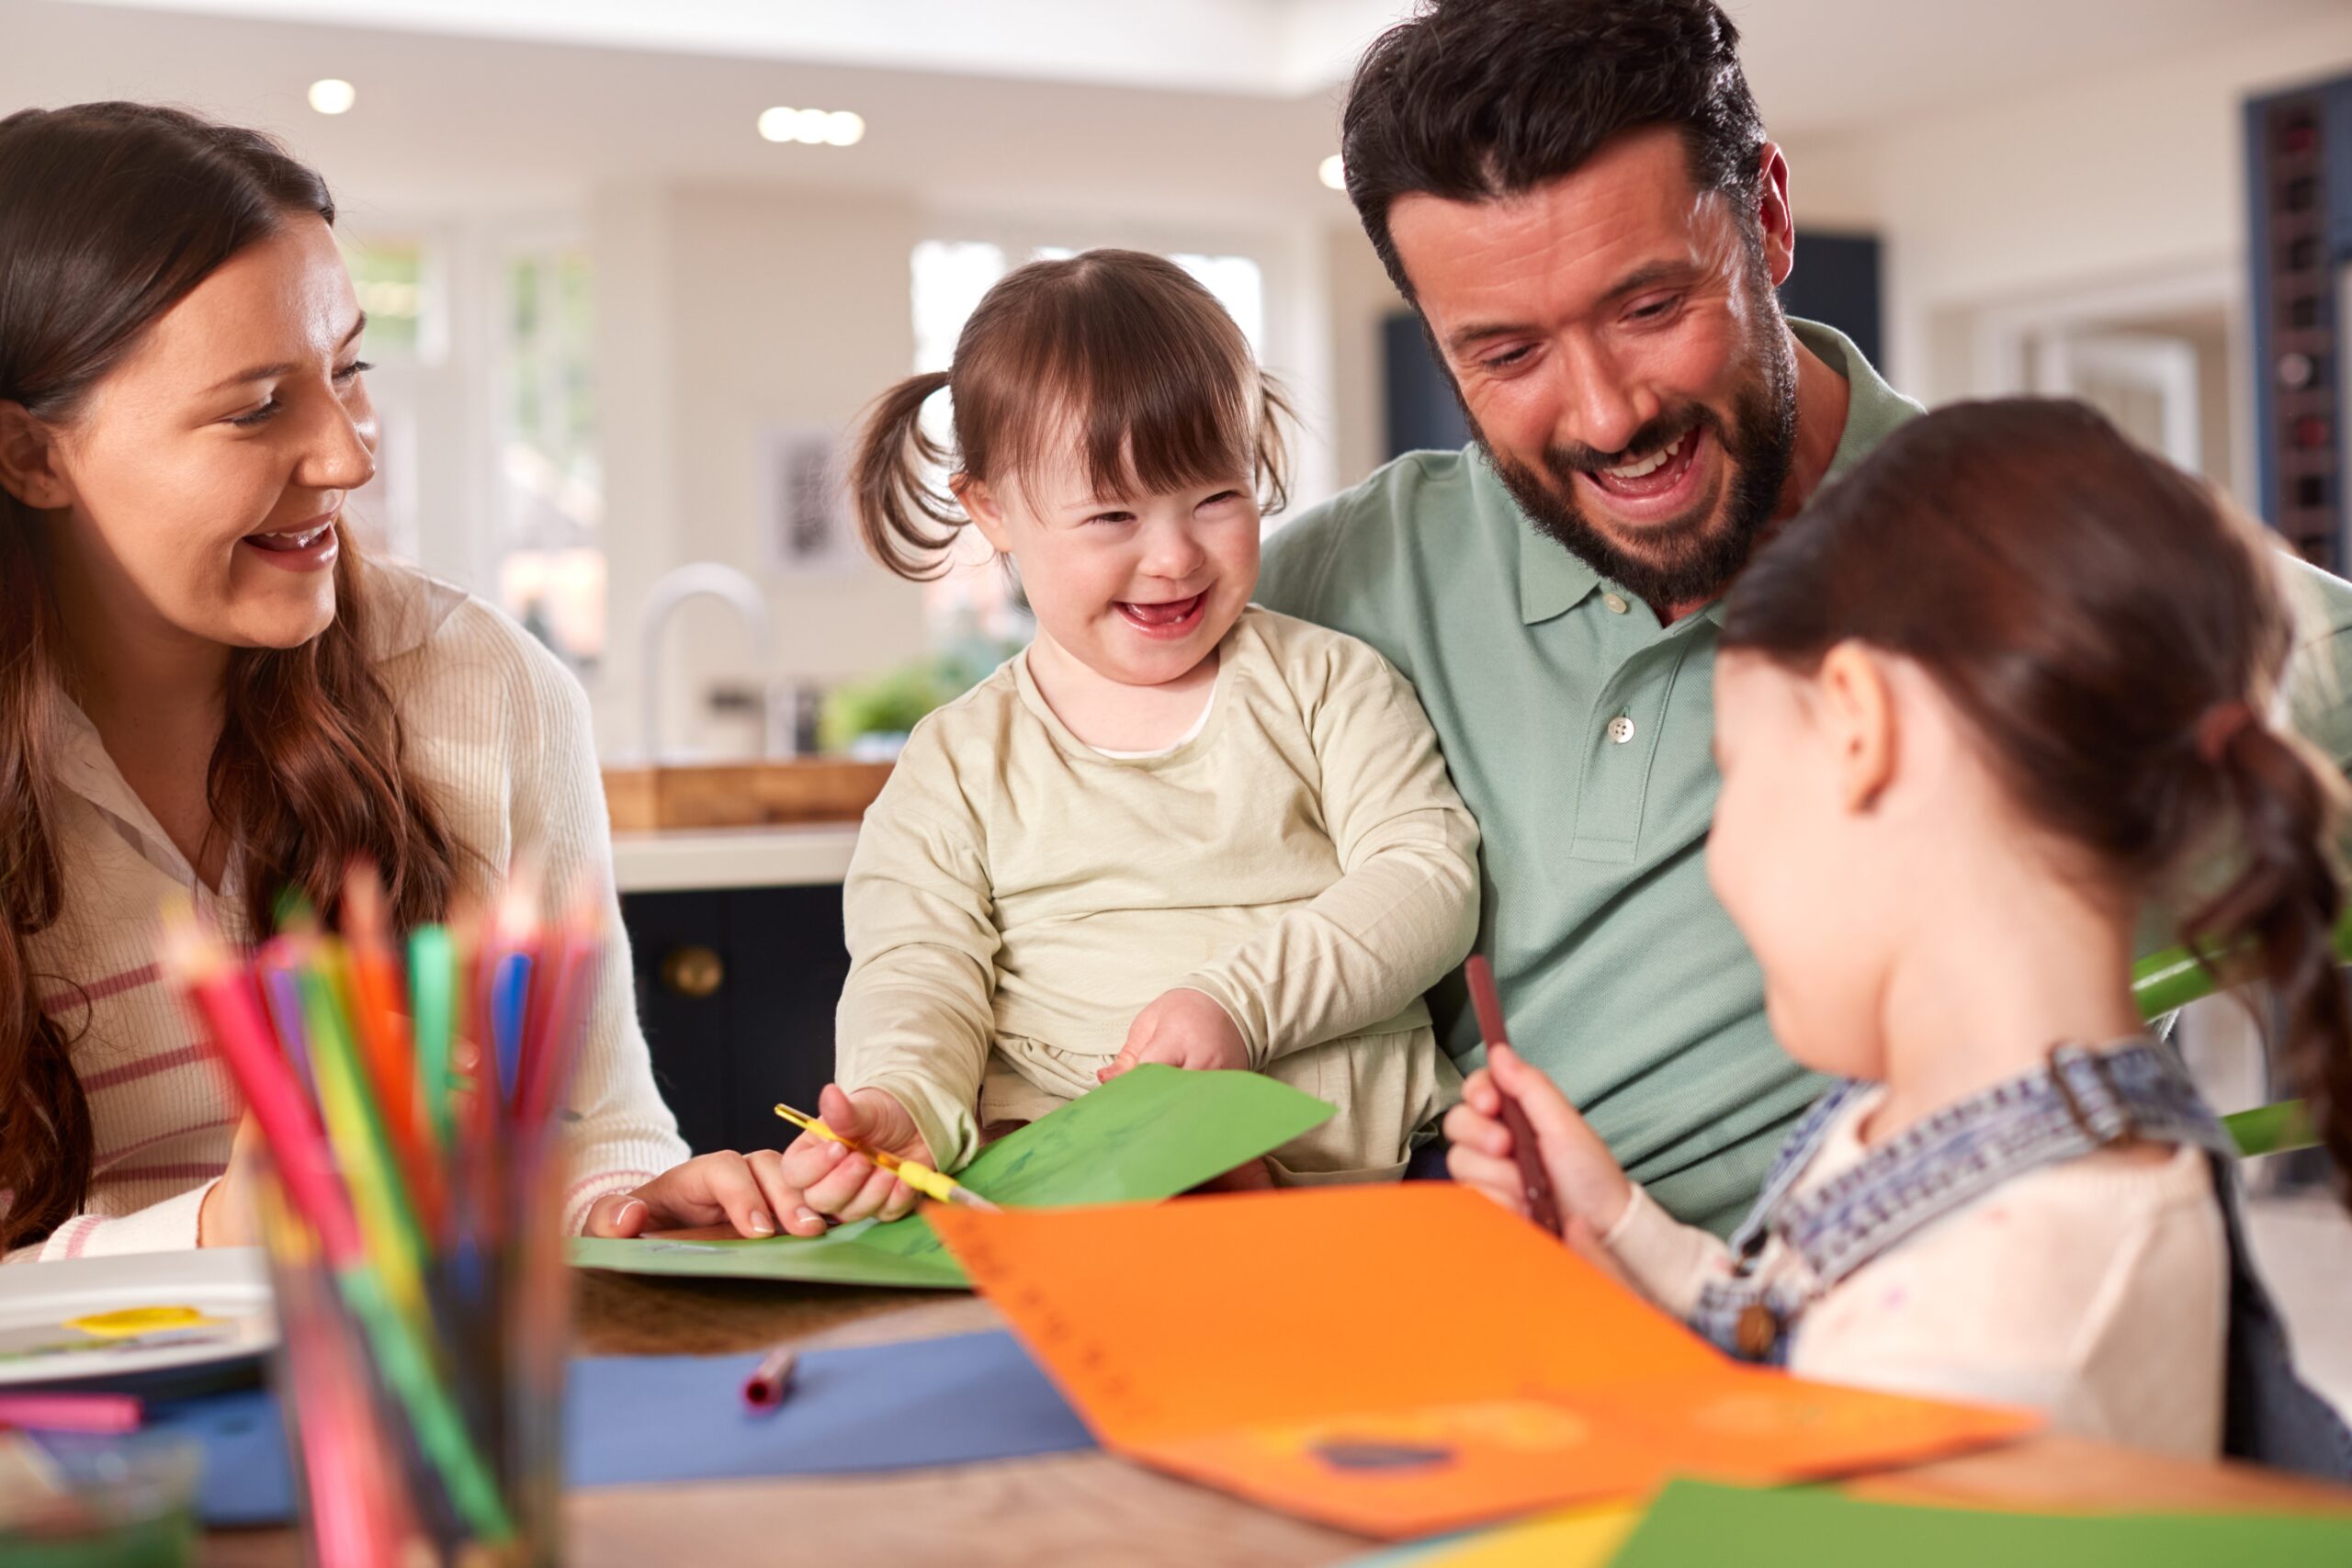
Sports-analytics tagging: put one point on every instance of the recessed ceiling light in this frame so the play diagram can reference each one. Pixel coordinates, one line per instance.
(812, 127)
(332, 94)
(1332, 173)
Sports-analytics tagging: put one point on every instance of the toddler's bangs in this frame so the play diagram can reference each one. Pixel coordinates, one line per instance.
(1140, 404)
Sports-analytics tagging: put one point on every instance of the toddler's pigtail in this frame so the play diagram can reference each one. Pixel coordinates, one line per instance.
(906, 523)
(1272, 457)
(2286, 898)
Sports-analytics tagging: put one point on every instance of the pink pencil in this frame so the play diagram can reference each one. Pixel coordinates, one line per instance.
(108, 1414)
(232, 1016)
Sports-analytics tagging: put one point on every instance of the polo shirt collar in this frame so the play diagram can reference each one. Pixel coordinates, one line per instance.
(1553, 580)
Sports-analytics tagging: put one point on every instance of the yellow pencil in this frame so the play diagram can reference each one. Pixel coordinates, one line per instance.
(921, 1177)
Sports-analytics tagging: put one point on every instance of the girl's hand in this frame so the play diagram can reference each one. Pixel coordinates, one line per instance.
(1585, 1177)
(225, 1217)
(796, 1188)
(1184, 1029)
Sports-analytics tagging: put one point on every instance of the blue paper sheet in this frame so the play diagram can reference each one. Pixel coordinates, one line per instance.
(632, 1420)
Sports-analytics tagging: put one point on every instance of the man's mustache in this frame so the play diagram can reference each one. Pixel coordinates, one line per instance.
(1568, 461)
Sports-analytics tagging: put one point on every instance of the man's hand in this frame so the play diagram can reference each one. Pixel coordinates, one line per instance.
(798, 1188)
(1184, 1029)
(1584, 1175)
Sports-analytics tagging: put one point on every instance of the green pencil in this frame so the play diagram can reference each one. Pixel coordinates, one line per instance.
(432, 1014)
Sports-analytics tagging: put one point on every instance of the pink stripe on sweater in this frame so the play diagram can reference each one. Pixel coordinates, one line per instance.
(81, 1239)
(193, 1172)
(109, 985)
(116, 1157)
(147, 1066)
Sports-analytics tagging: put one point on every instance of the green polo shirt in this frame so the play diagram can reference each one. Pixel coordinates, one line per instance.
(1578, 729)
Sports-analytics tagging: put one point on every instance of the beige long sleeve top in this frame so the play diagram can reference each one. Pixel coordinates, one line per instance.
(2096, 1290)
(1302, 858)
(499, 732)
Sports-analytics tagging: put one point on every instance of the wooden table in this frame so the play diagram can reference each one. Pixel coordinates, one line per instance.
(1089, 1507)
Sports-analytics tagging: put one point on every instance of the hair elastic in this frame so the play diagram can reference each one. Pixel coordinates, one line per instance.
(2219, 726)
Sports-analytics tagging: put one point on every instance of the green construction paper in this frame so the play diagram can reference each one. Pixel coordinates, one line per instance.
(2170, 980)
(1815, 1528)
(1148, 1133)
(2273, 1129)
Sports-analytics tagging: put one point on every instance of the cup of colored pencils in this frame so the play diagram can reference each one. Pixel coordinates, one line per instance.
(409, 1090)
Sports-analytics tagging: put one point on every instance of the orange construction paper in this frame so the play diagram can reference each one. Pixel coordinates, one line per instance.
(1400, 1360)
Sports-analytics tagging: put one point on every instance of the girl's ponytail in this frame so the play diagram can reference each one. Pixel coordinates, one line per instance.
(908, 524)
(2285, 900)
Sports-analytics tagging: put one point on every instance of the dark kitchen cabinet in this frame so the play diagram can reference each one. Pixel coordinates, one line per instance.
(736, 989)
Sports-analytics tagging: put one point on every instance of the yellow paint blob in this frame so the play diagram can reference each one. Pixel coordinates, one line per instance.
(128, 1323)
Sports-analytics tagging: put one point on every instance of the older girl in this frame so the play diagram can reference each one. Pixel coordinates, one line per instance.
(2003, 687)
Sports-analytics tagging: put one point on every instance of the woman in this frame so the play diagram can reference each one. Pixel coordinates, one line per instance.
(205, 692)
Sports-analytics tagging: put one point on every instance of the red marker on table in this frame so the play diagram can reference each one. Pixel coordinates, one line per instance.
(1534, 1184)
(770, 1380)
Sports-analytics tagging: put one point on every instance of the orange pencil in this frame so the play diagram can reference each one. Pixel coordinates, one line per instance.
(378, 1008)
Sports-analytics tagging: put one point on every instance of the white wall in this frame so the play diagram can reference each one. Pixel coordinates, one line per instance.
(2128, 177)
(722, 313)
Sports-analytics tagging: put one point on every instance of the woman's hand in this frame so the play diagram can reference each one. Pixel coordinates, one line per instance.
(1585, 1177)
(225, 1218)
(798, 1189)
(1184, 1029)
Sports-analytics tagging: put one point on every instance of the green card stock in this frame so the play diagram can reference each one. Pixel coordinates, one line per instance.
(1148, 1133)
(1695, 1522)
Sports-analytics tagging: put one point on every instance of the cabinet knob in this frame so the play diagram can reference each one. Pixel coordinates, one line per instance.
(693, 971)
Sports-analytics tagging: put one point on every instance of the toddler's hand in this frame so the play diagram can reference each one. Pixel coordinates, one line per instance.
(797, 1188)
(1585, 1176)
(1184, 1029)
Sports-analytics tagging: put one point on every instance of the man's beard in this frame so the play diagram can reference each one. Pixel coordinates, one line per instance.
(1693, 559)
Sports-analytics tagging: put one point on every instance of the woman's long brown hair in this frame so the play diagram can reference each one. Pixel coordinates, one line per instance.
(2114, 635)
(109, 214)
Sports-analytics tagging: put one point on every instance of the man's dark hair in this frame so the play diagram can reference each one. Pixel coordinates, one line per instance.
(1475, 99)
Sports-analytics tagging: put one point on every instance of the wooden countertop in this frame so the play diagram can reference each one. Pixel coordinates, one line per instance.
(1090, 1507)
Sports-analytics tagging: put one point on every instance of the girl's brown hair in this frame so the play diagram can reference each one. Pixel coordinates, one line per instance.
(2114, 633)
(1122, 353)
(112, 213)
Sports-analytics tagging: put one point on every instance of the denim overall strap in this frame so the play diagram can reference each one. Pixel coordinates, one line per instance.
(1796, 1152)
(2081, 1100)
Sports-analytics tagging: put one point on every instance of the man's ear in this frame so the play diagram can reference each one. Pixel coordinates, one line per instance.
(1775, 223)
(28, 468)
(1858, 713)
(981, 504)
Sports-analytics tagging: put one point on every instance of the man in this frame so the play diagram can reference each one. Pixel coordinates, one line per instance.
(1578, 197)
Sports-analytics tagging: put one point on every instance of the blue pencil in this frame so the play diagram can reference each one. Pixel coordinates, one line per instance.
(509, 995)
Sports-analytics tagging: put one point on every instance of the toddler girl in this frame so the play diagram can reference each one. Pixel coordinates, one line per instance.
(1987, 699)
(1176, 828)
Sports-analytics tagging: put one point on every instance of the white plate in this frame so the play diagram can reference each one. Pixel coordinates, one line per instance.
(226, 1290)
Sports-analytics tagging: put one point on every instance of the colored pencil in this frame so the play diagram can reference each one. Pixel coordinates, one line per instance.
(428, 1212)
(1535, 1183)
(770, 1380)
(67, 1412)
(921, 1177)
